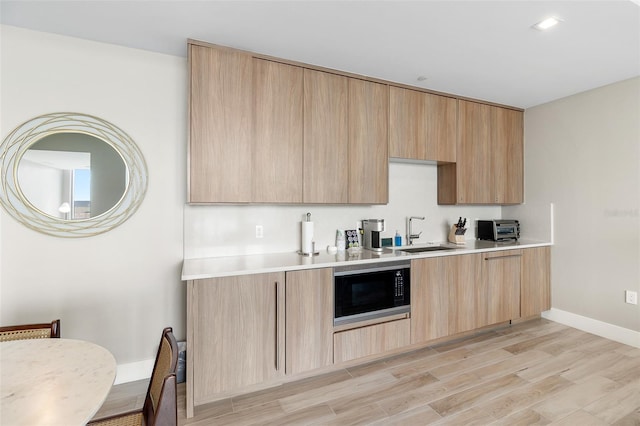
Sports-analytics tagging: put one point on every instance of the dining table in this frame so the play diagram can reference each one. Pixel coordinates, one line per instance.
(53, 381)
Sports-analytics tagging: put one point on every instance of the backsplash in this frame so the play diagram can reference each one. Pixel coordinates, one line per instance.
(225, 230)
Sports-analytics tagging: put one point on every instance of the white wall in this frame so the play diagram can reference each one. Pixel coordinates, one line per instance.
(226, 230)
(582, 153)
(118, 289)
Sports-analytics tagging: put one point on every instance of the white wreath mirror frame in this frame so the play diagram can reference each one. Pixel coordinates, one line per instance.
(16, 144)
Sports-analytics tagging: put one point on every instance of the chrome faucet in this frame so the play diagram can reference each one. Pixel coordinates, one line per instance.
(410, 235)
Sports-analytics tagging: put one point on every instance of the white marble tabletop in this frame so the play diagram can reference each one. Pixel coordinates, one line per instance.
(53, 381)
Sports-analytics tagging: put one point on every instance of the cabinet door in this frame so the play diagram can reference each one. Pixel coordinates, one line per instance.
(489, 158)
(535, 291)
(440, 118)
(422, 126)
(309, 324)
(463, 309)
(443, 296)
(326, 135)
(221, 129)
(238, 333)
(368, 142)
(277, 147)
(406, 109)
(474, 182)
(507, 150)
(500, 287)
(431, 280)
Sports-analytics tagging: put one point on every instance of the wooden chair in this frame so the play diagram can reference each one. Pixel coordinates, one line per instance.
(30, 331)
(160, 404)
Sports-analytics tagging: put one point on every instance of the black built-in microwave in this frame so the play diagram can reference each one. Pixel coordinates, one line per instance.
(364, 292)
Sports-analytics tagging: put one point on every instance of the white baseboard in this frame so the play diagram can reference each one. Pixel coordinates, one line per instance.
(590, 325)
(134, 371)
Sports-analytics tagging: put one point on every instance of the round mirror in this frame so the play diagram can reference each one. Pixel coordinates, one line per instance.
(71, 175)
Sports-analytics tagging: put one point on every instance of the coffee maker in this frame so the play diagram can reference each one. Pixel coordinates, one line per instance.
(372, 237)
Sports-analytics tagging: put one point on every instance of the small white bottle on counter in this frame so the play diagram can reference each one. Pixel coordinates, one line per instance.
(340, 240)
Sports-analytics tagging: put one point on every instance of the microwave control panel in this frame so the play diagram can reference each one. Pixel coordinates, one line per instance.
(399, 285)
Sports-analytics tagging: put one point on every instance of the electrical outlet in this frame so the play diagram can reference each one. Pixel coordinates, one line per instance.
(259, 231)
(631, 297)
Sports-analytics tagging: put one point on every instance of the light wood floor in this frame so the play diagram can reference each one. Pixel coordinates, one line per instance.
(538, 372)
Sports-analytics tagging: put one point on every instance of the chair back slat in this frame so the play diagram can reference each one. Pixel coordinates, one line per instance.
(163, 368)
(30, 331)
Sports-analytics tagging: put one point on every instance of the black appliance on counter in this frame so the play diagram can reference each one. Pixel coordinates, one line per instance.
(370, 291)
(499, 229)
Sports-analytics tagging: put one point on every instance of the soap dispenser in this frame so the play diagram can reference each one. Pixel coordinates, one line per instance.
(398, 239)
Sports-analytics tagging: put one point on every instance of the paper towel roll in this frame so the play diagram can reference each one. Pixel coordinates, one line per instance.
(307, 237)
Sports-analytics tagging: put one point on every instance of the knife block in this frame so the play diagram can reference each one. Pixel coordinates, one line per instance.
(456, 239)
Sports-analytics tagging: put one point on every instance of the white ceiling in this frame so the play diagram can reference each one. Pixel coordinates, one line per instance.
(479, 49)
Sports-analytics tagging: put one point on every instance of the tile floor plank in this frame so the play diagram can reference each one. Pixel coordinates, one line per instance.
(531, 373)
(575, 397)
(477, 394)
(525, 396)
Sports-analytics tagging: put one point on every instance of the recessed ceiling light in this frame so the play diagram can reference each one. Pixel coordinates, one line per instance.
(547, 23)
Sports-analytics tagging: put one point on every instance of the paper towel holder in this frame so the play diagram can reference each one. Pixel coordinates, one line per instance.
(304, 250)
(313, 251)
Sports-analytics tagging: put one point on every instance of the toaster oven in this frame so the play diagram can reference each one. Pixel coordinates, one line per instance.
(498, 229)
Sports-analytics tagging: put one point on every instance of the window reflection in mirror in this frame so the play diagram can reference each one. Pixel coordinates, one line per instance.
(72, 176)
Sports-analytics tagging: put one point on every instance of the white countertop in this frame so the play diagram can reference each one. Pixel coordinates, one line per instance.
(210, 267)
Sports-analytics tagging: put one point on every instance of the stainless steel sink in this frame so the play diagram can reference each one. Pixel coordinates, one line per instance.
(424, 249)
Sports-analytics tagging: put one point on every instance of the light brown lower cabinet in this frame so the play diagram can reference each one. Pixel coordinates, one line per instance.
(251, 329)
(236, 333)
(431, 281)
(499, 287)
(309, 319)
(463, 304)
(254, 329)
(535, 290)
(371, 340)
(443, 296)
(455, 294)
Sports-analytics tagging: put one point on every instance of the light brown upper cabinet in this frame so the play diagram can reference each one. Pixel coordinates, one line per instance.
(368, 142)
(507, 130)
(221, 130)
(345, 140)
(267, 130)
(277, 145)
(270, 131)
(422, 126)
(326, 136)
(489, 158)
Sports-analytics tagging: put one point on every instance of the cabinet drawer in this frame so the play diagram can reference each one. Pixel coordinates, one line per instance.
(371, 340)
